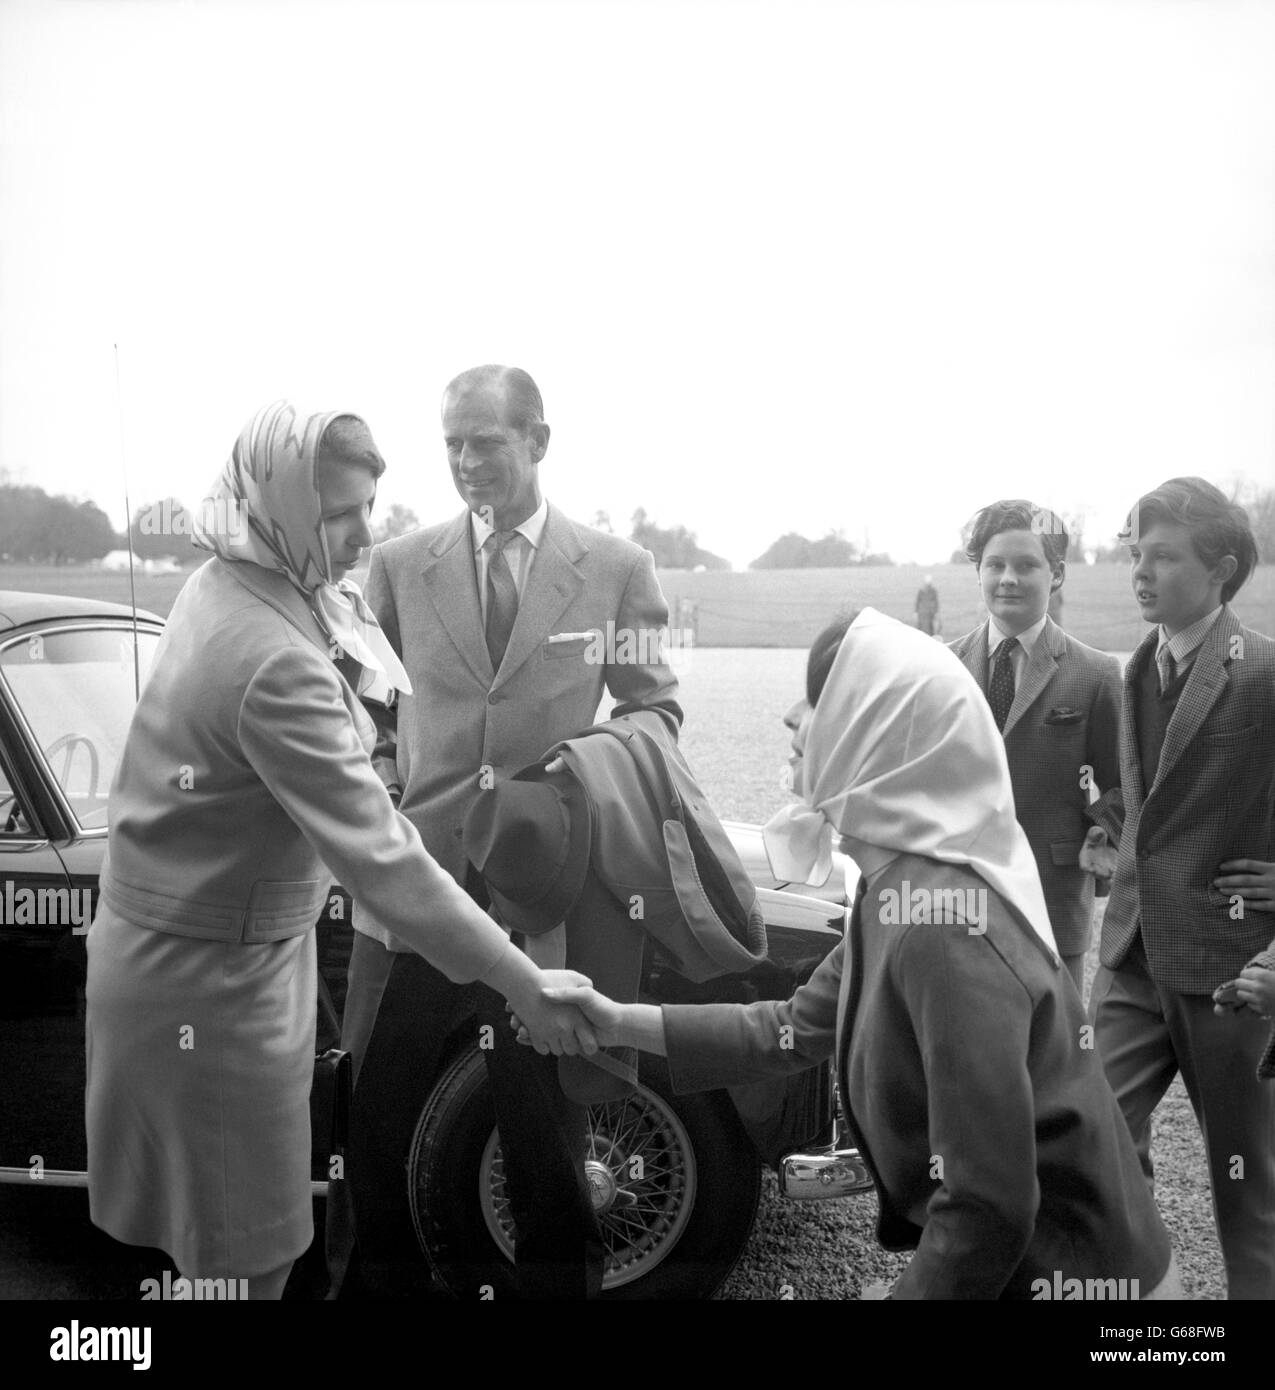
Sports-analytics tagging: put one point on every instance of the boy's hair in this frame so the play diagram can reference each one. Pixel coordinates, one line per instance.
(1018, 514)
(1218, 528)
(823, 652)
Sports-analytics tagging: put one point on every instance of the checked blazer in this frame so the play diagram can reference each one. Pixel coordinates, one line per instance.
(1213, 799)
(1065, 717)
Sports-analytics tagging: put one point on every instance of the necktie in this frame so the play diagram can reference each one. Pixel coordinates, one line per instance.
(502, 597)
(1001, 694)
(1164, 660)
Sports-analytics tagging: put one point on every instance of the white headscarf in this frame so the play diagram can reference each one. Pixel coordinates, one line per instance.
(265, 508)
(903, 756)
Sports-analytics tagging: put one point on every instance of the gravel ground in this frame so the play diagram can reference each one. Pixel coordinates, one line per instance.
(736, 744)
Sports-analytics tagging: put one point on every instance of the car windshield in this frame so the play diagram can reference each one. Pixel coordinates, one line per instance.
(76, 688)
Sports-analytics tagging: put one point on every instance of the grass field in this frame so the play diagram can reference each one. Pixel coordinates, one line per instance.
(773, 608)
(786, 608)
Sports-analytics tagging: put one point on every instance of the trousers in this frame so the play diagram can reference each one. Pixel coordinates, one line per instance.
(1145, 1037)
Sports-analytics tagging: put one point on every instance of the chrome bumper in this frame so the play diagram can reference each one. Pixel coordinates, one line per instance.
(822, 1174)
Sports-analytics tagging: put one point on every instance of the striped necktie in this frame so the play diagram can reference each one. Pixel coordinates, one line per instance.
(1168, 670)
(502, 597)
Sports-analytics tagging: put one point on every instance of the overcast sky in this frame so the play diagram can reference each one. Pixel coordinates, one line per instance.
(776, 266)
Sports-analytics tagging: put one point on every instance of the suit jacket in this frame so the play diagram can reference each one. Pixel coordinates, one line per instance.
(957, 1046)
(1065, 716)
(1213, 799)
(246, 785)
(467, 727)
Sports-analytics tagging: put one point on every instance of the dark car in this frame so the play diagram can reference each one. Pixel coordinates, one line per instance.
(675, 1179)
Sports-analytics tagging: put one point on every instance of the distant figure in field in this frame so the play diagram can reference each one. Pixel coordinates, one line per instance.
(927, 608)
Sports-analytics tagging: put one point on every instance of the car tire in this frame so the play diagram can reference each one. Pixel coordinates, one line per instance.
(699, 1206)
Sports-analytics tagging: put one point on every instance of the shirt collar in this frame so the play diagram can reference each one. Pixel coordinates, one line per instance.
(1186, 641)
(532, 528)
(1026, 640)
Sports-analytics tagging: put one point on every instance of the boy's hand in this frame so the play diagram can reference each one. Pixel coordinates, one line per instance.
(1226, 999)
(1252, 879)
(1256, 989)
(1097, 855)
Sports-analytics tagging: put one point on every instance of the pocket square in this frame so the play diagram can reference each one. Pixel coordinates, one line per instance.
(571, 636)
(1062, 715)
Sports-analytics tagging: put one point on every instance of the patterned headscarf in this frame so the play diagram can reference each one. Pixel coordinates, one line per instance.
(903, 756)
(265, 509)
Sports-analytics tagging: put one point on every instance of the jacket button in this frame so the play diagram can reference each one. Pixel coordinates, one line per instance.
(493, 698)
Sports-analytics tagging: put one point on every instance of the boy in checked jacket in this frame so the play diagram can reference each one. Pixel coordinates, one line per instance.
(1197, 753)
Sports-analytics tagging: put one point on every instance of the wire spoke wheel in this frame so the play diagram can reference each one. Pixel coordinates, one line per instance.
(640, 1167)
(674, 1181)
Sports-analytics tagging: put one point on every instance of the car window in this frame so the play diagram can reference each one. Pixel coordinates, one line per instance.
(14, 819)
(76, 688)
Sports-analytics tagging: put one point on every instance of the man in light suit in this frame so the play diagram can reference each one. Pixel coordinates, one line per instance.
(493, 615)
(1197, 753)
(1055, 700)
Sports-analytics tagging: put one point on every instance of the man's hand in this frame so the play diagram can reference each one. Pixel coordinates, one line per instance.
(1097, 855)
(604, 1016)
(1252, 879)
(553, 1026)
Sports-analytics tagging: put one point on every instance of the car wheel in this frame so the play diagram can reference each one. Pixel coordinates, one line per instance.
(675, 1182)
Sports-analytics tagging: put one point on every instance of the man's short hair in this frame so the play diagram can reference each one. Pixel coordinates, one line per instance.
(1218, 527)
(1018, 514)
(347, 439)
(523, 407)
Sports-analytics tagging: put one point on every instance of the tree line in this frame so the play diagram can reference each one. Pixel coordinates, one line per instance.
(38, 528)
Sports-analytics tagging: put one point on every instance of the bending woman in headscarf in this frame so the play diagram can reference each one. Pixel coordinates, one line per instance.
(998, 1150)
(245, 787)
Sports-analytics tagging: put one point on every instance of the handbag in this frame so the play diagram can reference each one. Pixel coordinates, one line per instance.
(329, 1099)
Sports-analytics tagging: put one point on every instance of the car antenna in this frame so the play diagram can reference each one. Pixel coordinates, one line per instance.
(128, 528)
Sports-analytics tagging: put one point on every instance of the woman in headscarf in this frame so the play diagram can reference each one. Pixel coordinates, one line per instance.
(244, 789)
(966, 1066)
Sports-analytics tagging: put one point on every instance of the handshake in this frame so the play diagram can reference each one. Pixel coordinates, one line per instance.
(561, 1013)
(570, 1017)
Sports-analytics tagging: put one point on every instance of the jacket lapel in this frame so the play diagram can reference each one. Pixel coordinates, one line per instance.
(1130, 757)
(1038, 672)
(974, 655)
(552, 584)
(1205, 682)
(452, 587)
